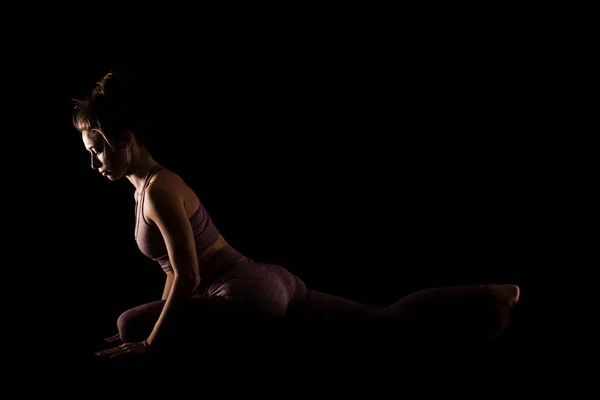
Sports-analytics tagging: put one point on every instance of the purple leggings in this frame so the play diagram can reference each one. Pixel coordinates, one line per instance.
(231, 281)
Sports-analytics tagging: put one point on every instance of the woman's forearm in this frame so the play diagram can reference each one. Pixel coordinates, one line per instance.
(168, 285)
(179, 295)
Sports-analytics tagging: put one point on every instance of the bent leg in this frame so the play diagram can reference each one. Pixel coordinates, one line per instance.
(136, 324)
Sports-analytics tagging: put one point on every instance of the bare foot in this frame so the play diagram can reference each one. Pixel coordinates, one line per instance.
(508, 293)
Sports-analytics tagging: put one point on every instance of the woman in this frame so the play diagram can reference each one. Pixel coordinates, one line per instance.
(206, 276)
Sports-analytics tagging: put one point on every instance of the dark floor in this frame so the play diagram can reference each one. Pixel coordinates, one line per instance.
(312, 350)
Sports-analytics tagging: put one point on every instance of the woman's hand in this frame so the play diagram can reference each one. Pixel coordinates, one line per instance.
(113, 339)
(126, 349)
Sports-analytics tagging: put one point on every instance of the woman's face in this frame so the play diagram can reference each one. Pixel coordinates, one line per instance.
(110, 163)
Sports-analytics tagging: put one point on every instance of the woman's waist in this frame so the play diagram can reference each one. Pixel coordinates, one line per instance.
(219, 260)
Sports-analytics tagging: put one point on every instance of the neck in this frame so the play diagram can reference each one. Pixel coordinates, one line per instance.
(139, 168)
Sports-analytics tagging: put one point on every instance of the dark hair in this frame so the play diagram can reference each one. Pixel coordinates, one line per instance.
(118, 102)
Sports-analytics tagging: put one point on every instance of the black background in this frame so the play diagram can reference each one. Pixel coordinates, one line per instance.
(370, 168)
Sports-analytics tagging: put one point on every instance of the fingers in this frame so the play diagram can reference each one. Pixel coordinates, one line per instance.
(126, 349)
(107, 352)
(113, 339)
(121, 353)
(114, 352)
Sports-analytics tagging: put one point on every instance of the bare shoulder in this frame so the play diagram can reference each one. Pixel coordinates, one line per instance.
(167, 181)
(164, 199)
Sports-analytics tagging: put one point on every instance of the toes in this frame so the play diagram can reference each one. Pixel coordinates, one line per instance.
(517, 295)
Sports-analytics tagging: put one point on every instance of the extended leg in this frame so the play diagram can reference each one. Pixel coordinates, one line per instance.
(458, 312)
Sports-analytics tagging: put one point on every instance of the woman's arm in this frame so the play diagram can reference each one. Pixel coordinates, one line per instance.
(166, 209)
(168, 284)
(179, 295)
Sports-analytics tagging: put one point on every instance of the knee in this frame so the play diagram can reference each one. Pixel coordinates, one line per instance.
(136, 324)
(126, 324)
(300, 290)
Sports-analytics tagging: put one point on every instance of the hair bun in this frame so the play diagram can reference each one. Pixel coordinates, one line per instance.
(117, 84)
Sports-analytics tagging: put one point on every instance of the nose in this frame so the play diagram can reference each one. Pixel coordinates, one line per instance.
(95, 163)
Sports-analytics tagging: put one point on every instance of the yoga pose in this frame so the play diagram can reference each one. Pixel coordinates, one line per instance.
(207, 276)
